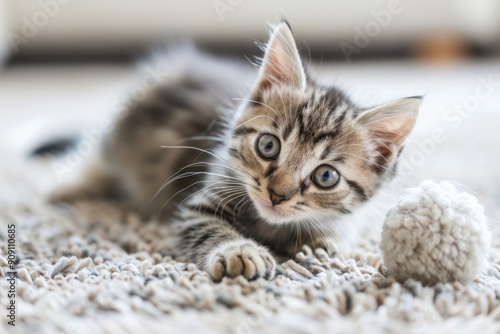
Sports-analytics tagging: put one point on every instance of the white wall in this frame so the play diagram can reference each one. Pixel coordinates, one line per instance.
(84, 24)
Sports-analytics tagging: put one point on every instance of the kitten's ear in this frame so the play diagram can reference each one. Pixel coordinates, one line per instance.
(281, 64)
(390, 125)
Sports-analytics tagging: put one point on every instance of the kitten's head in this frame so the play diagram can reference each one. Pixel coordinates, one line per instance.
(311, 152)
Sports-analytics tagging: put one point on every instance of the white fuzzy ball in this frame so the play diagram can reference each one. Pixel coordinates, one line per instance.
(436, 233)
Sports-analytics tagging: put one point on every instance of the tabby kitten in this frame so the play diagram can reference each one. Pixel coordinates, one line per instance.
(290, 157)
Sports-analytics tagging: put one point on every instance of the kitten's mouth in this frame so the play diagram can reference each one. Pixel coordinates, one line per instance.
(273, 209)
(272, 214)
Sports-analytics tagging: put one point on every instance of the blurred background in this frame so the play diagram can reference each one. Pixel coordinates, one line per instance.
(94, 29)
(66, 63)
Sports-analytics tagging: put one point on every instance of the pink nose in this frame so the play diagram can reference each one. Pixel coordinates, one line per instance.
(275, 198)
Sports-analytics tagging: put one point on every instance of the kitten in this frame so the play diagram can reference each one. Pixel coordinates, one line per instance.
(290, 157)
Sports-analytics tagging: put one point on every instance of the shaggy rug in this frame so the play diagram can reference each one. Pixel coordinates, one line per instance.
(95, 267)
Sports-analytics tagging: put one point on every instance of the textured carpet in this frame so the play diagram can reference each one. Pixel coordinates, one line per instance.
(95, 267)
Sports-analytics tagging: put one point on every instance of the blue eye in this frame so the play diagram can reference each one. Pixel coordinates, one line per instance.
(325, 176)
(268, 146)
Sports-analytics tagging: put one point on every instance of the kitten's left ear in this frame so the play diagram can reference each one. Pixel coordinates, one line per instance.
(390, 125)
(281, 64)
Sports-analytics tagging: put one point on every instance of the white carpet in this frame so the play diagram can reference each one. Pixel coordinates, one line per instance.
(95, 267)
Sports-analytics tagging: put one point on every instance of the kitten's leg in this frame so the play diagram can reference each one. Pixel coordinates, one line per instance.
(96, 182)
(216, 247)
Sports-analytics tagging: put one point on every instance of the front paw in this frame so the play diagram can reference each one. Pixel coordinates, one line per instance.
(241, 257)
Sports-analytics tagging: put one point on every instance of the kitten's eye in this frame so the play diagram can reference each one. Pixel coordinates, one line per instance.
(268, 146)
(325, 176)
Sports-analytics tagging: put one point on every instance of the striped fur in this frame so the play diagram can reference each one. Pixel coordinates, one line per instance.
(226, 220)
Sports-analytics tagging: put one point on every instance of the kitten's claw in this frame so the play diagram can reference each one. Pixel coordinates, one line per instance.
(241, 258)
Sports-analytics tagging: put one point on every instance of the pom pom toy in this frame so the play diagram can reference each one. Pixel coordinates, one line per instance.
(436, 233)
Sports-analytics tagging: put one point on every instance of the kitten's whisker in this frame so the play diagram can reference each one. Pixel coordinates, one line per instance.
(175, 175)
(254, 118)
(324, 234)
(331, 234)
(203, 191)
(205, 197)
(191, 185)
(213, 194)
(218, 196)
(247, 200)
(230, 196)
(210, 187)
(243, 193)
(189, 174)
(297, 229)
(309, 52)
(204, 163)
(258, 102)
(211, 154)
(304, 222)
(186, 188)
(199, 138)
(236, 206)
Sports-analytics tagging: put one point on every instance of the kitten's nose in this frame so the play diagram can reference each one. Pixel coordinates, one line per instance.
(275, 198)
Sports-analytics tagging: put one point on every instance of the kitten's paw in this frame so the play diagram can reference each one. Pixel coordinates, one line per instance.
(242, 257)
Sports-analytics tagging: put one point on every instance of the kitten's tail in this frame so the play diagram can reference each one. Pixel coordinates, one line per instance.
(55, 146)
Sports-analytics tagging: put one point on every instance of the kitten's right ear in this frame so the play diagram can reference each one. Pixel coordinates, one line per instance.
(390, 125)
(281, 64)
